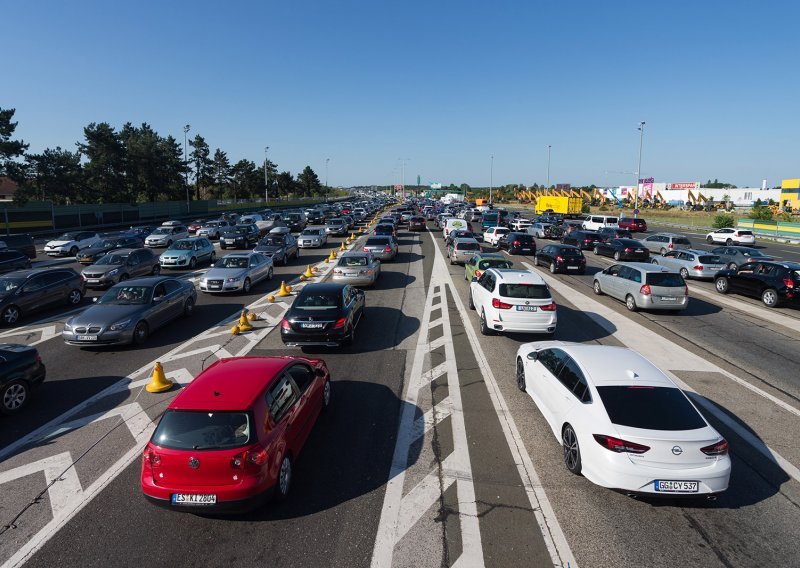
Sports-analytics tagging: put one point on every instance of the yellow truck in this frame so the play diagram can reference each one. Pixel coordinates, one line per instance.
(556, 204)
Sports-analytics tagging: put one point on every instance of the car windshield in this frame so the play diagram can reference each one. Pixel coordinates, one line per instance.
(112, 259)
(310, 233)
(10, 284)
(709, 259)
(313, 301)
(336, 222)
(525, 291)
(182, 245)
(650, 408)
(124, 295)
(162, 231)
(231, 261)
(241, 230)
(212, 224)
(108, 243)
(667, 279)
(570, 252)
(275, 241)
(353, 261)
(202, 430)
(493, 263)
(68, 237)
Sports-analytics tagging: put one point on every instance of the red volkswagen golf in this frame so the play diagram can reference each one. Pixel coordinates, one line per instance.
(227, 442)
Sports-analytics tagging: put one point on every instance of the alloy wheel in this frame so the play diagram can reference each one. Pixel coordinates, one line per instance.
(520, 375)
(74, 297)
(630, 303)
(14, 397)
(770, 298)
(285, 477)
(721, 284)
(326, 395)
(572, 452)
(246, 286)
(10, 315)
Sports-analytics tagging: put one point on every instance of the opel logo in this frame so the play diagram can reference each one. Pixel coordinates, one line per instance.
(677, 450)
(194, 463)
(527, 302)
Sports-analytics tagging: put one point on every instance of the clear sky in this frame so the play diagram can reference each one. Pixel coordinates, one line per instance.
(445, 84)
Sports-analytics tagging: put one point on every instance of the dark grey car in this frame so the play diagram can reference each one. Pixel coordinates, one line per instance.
(281, 248)
(130, 311)
(27, 291)
(735, 256)
(120, 265)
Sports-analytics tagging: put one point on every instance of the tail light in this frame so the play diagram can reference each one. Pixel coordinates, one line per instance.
(516, 243)
(366, 249)
(686, 290)
(387, 249)
(548, 307)
(697, 267)
(620, 446)
(340, 323)
(628, 250)
(559, 259)
(645, 290)
(285, 325)
(670, 245)
(254, 456)
(478, 273)
(718, 449)
(788, 282)
(500, 305)
(150, 457)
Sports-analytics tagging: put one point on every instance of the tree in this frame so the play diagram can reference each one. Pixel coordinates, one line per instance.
(222, 172)
(56, 175)
(286, 184)
(10, 149)
(106, 168)
(202, 165)
(308, 182)
(247, 180)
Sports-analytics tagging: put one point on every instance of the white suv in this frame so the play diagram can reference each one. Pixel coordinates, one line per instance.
(730, 236)
(493, 234)
(517, 301)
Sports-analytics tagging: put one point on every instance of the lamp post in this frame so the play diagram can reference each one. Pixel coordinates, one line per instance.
(186, 130)
(491, 177)
(403, 175)
(326, 179)
(266, 178)
(548, 166)
(638, 170)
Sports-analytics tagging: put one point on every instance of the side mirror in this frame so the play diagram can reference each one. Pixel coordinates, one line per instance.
(532, 356)
(94, 300)
(157, 299)
(474, 278)
(320, 372)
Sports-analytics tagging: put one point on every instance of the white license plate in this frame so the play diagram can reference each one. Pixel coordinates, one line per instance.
(214, 286)
(676, 486)
(639, 250)
(311, 325)
(573, 267)
(87, 338)
(186, 499)
(307, 242)
(668, 299)
(93, 280)
(527, 308)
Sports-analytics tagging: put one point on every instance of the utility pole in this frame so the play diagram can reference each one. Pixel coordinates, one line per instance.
(186, 130)
(548, 166)
(491, 177)
(326, 179)
(266, 177)
(639, 170)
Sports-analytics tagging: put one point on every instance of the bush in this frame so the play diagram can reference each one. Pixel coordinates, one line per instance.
(760, 213)
(723, 221)
(585, 208)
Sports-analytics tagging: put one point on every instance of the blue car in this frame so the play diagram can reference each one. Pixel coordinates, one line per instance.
(188, 253)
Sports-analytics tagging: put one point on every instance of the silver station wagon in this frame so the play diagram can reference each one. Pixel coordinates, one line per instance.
(357, 268)
(643, 286)
(691, 263)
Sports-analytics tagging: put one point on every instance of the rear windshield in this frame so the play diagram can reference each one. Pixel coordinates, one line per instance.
(203, 430)
(745, 232)
(668, 279)
(709, 259)
(521, 237)
(318, 301)
(525, 291)
(630, 243)
(570, 252)
(493, 263)
(377, 242)
(490, 216)
(650, 408)
(681, 241)
(467, 246)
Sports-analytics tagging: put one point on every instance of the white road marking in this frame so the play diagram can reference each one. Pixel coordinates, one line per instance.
(60, 467)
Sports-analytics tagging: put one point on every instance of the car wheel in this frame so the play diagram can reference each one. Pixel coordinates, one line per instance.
(188, 307)
(596, 250)
(193, 263)
(721, 284)
(326, 395)
(74, 298)
(572, 452)
(284, 479)
(169, 243)
(246, 286)
(156, 270)
(617, 256)
(709, 239)
(596, 288)
(654, 261)
(630, 303)
(552, 267)
(11, 315)
(770, 298)
(520, 375)
(13, 397)
(663, 251)
(484, 327)
(684, 273)
(729, 242)
(213, 258)
(732, 266)
(140, 333)
(123, 277)
(471, 302)
(73, 251)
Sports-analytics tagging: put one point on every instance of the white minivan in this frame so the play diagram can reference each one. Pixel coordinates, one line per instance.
(597, 222)
(454, 223)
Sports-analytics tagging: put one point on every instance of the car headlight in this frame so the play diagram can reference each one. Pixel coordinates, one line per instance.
(120, 325)
(112, 272)
(68, 326)
(233, 279)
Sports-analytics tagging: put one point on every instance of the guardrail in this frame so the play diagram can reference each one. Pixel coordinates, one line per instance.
(777, 229)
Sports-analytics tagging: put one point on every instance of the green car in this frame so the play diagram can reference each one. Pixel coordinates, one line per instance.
(482, 261)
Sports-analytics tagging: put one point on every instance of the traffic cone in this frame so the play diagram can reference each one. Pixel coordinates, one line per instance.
(284, 291)
(244, 323)
(352, 236)
(342, 247)
(159, 382)
(308, 273)
(235, 329)
(332, 256)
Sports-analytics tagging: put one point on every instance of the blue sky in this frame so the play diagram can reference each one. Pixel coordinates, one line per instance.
(445, 84)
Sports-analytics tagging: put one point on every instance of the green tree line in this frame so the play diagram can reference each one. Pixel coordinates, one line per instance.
(135, 164)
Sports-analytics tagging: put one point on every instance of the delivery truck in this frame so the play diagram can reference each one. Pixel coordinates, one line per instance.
(556, 204)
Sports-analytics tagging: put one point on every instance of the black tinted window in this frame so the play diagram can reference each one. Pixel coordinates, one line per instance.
(552, 359)
(281, 397)
(665, 279)
(709, 259)
(528, 291)
(570, 374)
(302, 376)
(651, 408)
(203, 430)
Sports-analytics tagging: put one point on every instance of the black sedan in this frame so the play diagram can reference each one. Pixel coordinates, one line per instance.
(324, 314)
(517, 243)
(561, 258)
(239, 236)
(92, 254)
(11, 260)
(622, 249)
(21, 371)
(584, 240)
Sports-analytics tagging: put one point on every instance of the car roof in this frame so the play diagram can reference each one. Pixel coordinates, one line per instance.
(27, 272)
(230, 384)
(518, 275)
(666, 235)
(353, 253)
(322, 288)
(461, 240)
(148, 280)
(606, 365)
(240, 253)
(647, 267)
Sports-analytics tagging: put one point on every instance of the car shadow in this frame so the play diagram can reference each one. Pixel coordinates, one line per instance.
(380, 328)
(590, 327)
(407, 257)
(389, 280)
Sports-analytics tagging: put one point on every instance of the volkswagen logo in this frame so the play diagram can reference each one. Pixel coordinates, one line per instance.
(527, 302)
(677, 450)
(194, 463)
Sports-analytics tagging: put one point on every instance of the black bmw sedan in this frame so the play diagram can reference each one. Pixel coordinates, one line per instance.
(323, 314)
(622, 249)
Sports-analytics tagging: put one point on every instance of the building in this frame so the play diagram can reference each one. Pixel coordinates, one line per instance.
(8, 188)
(790, 193)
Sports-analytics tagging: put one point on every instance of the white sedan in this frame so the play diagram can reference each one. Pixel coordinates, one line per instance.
(621, 421)
(730, 236)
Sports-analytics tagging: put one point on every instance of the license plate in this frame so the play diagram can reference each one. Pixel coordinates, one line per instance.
(668, 299)
(350, 275)
(311, 325)
(676, 486)
(214, 286)
(92, 280)
(573, 267)
(639, 250)
(87, 338)
(306, 242)
(185, 499)
(527, 308)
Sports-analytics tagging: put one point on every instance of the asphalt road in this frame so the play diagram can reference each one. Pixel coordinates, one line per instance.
(430, 455)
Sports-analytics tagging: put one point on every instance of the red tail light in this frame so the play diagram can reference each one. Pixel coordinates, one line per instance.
(628, 250)
(254, 456)
(697, 267)
(366, 249)
(500, 305)
(670, 245)
(645, 290)
(788, 282)
(559, 259)
(478, 273)
(387, 249)
(285, 325)
(340, 323)
(686, 290)
(516, 243)
(548, 307)
(619, 446)
(718, 449)
(150, 457)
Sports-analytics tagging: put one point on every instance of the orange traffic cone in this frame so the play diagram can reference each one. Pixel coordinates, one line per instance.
(235, 330)
(342, 247)
(244, 323)
(270, 298)
(332, 256)
(252, 316)
(308, 273)
(159, 382)
(284, 291)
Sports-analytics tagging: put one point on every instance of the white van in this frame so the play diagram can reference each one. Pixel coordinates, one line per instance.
(597, 222)
(455, 223)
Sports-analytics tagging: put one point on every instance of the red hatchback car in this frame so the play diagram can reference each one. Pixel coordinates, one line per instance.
(637, 225)
(227, 442)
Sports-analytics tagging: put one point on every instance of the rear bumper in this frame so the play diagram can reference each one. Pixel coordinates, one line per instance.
(229, 501)
(321, 339)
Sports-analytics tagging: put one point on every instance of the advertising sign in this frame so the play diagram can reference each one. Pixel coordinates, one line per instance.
(684, 185)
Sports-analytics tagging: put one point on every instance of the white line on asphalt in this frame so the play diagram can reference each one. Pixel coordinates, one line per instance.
(54, 467)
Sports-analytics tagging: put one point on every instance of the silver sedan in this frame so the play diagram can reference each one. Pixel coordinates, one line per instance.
(357, 268)
(237, 272)
(691, 263)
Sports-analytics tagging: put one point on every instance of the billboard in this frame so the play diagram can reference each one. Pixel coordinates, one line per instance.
(436, 186)
(684, 185)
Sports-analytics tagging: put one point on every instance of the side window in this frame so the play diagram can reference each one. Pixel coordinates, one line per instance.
(624, 272)
(134, 258)
(281, 397)
(302, 375)
(614, 270)
(570, 375)
(552, 359)
(255, 260)
(172, 286)
(160, 291)
(53, 278)
(34, 284)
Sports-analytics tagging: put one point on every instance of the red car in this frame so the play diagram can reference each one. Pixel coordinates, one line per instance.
(633, 225)
(227, 442)
(195, 225)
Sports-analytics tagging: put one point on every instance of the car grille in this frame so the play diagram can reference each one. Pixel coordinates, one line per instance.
(93, 275)
(214, 282)
(83, 330)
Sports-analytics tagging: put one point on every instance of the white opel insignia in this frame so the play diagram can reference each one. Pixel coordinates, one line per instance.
(621, 421)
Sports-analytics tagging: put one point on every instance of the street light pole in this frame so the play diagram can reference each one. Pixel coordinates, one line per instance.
(327, 189)
(638, 170)
(266, 178)
(491, 177)
(403, 176)
(548, 166)
(185, 166)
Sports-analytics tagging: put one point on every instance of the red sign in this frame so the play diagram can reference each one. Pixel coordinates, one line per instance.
(684, 185)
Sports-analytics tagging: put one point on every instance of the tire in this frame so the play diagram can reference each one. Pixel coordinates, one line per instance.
(729, 242)
(596, 250)
(193, 263)
(123, 277)
(471, 303)
(552, 268)
(326, 395)
(246, 286)
(269, 274)
(74, 297)
(596, 288)
(169, 243)
(221, 246)
(617, 256)
(156, 270)
(284, 479)
(709, 239)
(684, 273)
(213, 258)
(572, 451)
(485, 330)
(770, 298)
(630, 303)
(732, 266)
(520, 375)
(663, 251)
(721, 284)
(13, 396)
(11, 315)
(140, 333)
(188, 307)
